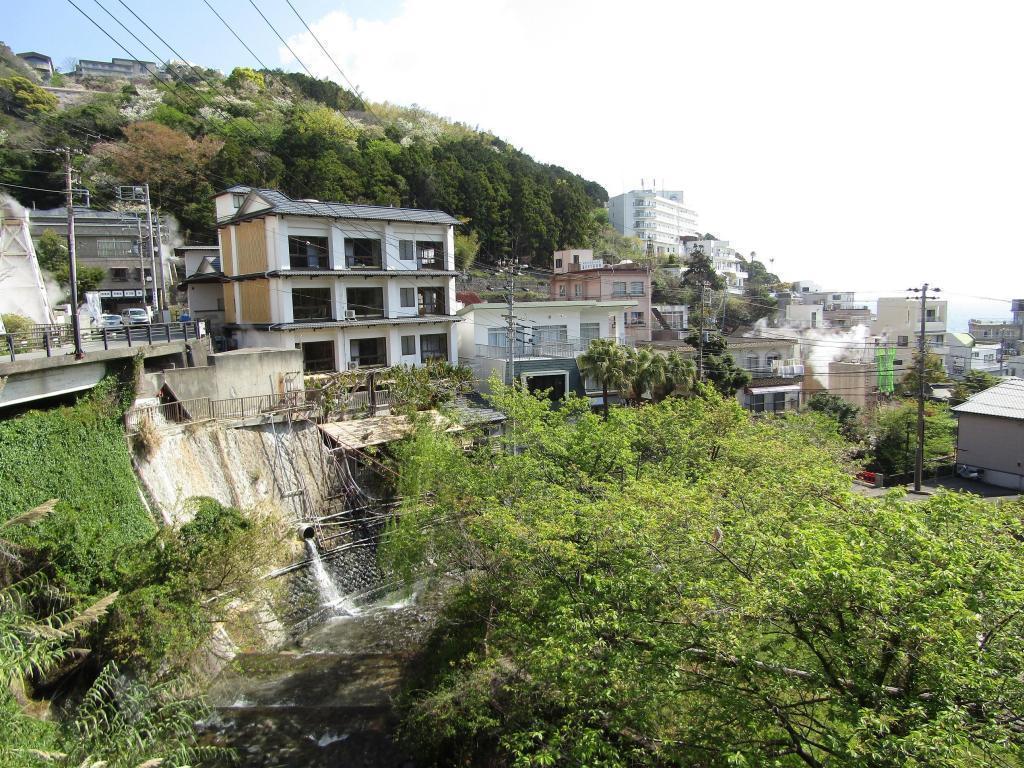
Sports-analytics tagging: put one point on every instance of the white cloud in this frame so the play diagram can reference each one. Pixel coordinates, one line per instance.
(869, 145)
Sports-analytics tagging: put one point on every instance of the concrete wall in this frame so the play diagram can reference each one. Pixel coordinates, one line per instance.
(994, 444)
(241, 373)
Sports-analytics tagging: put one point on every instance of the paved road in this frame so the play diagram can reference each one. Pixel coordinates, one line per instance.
(949, 483)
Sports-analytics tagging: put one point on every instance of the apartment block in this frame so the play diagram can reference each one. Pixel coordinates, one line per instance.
(578, 276)
(724, 258)
(658, 217)
(352, 286)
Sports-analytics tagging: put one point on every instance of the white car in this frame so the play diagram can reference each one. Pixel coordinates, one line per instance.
(135, 316)
(111, 321)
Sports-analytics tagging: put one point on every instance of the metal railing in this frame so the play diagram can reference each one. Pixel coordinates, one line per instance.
(205, 409)
(58, 340)
(561, 349)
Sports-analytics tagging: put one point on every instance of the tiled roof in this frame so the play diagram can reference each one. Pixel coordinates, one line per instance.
(1005, 399)
(281, 203)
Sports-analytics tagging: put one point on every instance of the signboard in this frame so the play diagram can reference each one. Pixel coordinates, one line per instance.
(117, 294)
(104, 294)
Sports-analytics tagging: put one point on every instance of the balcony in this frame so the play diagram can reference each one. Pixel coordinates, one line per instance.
(525, 350)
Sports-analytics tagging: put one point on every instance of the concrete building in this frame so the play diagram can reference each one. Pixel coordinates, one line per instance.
(658, 217)
(725, 259)
(129, 69)
(1009, 334)
(964, 353)
(1014, 366)
(990, 434)
(776, 373)
(855, 382)
(580, 277)
(110, 240)
(203, 285)
(41, 63)
(550, 336)
(804, 315)
(352, 286)
(898, 322)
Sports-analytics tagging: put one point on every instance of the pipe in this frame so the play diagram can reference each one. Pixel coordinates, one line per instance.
(306, 532)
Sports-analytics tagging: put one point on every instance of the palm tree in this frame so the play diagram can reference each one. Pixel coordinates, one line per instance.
(680, 377)
(644, 370)
(604, 361)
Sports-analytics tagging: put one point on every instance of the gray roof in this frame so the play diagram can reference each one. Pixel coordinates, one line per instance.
(1005, 399)
(282, 204)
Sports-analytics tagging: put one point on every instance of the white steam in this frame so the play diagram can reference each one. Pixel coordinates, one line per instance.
(821, 346)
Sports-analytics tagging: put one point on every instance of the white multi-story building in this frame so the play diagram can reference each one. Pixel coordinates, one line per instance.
(725, 259)
(898, 322)
(352, 286)
(964, 353)
(658, 217)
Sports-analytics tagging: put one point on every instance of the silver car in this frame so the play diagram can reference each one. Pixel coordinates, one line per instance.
(135, 316)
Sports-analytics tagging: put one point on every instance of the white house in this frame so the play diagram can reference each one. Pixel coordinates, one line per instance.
(352, 286)
(549, 337)
(658, 217)
(203, 284)
(964, 353)
(725, 259)
(990, 433)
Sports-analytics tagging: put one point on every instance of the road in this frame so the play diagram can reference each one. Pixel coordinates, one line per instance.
(947, 483)
(116, 338)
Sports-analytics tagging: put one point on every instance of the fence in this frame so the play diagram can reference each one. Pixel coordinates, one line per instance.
(58, 339)
(205, 409)
(523, 349)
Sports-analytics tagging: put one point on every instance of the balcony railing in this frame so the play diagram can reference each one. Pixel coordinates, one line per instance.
(430, 262)
(526, 349)
(368, 361)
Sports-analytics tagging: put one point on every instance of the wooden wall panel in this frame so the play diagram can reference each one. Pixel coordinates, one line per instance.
(255, 301)
(230, 312)
(226, 250)
(252, 247)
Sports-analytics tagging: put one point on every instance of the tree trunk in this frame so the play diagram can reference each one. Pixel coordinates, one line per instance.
(604, 405)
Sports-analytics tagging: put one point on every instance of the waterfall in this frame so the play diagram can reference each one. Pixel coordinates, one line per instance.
(329, 594)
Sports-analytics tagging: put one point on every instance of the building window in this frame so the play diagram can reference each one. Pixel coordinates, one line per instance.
(589, 332)
(363, 253)
(929, 315)
(578, 290)
(558, 263)
(237, 198)
(119, 275)
(619, 289)
(430, 255)
(636, 288)
(308, 252)
(405, 250)
(938, 338)
(408, 345)
(311, 304)
(317, 356)
(774, 402)
(497, 337)
(752, 362)
(368, 352)
(115, 248)
(902, 341)
(550, 333)
(431, 301)
(365, 302)
(561, 290)
(408, 297)
(433, 346)
(636, 318)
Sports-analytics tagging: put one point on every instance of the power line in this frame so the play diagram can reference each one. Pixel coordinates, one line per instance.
(232, 31)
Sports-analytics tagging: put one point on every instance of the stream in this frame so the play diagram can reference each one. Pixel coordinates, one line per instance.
(327, 699)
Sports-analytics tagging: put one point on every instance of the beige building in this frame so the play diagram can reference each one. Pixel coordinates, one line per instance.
(578, 276)
(990, 434)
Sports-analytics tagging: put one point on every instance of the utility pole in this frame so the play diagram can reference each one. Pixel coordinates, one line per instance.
(922, 348)
(142, 257)
(152, 250)
(511, 268)
(704, 288)
(72, 265)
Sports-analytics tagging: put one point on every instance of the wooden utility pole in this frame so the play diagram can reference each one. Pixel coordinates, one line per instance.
(152, 253)
(76, 326)
(922, 351)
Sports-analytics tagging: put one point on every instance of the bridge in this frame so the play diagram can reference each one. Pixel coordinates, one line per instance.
(40, 363)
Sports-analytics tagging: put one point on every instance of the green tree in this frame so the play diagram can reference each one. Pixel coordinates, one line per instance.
(895, 436)
(52, 252)
(604, 362)
(971, 384)
(466, 248)
(683, 585)
(244, 77)
(699, 270)
(846, 415)
(23, 98)
(643, 371)
(680, 377)
(934, 373)
(720, 370)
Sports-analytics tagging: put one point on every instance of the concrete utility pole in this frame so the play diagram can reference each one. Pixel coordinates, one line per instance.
(72, 265)
(511, 268)
(922, 348)
(705, 287)
(152, 251)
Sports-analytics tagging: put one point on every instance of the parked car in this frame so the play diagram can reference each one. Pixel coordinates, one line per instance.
(111, 321)
(135, 316)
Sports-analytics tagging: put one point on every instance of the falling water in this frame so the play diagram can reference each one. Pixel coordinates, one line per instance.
(329, 594)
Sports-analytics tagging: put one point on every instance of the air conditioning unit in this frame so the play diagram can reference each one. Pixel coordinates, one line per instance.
(350, 314)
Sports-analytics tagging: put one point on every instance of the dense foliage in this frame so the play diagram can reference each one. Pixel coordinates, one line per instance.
(895, 436)
(682, 585)
(310, 138)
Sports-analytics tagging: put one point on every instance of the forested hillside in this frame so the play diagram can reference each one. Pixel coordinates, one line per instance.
(199, 131)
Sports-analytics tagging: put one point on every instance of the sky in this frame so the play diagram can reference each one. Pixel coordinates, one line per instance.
(867, 146)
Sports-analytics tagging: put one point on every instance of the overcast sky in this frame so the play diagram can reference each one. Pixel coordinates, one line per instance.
(867, 145)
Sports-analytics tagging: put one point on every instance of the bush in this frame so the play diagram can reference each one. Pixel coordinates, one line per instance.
(22, 98)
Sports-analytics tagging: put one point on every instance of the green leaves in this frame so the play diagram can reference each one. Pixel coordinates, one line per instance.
(680, 584)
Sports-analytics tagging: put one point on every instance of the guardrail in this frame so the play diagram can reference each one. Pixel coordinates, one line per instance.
(559, 349)
(58, 339)
(205, 409)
